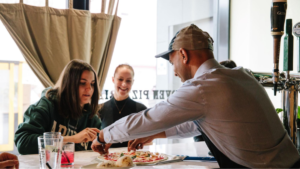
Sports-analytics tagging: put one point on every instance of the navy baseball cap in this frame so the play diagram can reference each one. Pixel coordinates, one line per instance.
(190, 38)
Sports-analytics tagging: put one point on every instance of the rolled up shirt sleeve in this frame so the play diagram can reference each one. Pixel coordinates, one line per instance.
(184, 130)
(186, 104)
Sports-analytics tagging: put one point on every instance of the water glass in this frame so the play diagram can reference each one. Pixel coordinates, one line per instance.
(53, 148)
(67, 155)
(41, 147)
(52, 135)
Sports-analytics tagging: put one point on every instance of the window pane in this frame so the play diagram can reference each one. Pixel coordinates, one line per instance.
(4, 104)
(32, 87)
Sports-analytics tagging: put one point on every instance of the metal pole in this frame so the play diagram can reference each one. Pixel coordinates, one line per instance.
(81, 4)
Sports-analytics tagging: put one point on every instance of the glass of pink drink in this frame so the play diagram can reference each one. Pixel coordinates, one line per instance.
(67, 154)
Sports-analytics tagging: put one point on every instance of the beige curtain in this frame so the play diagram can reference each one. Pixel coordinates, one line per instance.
(49, 38)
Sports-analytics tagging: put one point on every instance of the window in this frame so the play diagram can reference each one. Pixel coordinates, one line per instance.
(19, 86)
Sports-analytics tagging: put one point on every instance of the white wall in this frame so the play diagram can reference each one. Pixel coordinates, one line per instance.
(251, 44)
(172, 16)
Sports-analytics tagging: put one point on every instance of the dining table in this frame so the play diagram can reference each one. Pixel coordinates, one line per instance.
(87, 158)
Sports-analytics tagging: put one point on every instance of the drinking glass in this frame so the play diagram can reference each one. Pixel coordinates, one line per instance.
(53, 148)
(67, 155)
(52, 134)
(41, 147)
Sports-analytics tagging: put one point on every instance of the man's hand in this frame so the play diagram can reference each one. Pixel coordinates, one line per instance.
(86, 135)
(139, 143)
(8, 160)
(98, 147)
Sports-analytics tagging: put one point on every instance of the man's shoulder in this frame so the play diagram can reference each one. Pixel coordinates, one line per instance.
(221, 74)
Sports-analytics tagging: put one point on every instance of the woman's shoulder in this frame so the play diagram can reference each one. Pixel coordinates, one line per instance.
(104, 106)
(44, 102)
(42, 106)
(139, 106)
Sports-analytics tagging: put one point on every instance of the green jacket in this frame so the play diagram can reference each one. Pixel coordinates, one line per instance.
(43, 117)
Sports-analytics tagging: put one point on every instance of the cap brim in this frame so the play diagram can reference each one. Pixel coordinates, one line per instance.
(164, 55)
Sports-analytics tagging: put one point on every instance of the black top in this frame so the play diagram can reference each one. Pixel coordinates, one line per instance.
(109, 113)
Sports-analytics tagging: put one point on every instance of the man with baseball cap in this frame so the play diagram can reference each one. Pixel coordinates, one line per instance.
(228, 106)
(191, 38)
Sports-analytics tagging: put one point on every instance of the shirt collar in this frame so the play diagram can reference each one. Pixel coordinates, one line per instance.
(207, 65)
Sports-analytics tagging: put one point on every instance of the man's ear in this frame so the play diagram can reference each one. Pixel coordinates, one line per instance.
(113, 79)
(184, 55)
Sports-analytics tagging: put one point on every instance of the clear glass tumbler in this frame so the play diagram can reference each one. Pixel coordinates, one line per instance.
(41, 147)
(67, 154)
(52, 134)
(53, 147)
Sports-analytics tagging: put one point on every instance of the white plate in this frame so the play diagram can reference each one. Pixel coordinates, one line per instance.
(95, 166)
(166, 157)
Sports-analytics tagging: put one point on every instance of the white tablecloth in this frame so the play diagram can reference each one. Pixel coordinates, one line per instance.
(83, 158)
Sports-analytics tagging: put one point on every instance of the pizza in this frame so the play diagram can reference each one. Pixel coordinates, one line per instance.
(138, 157)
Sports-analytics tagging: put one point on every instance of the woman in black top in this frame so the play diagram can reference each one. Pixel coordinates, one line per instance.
(120, 105)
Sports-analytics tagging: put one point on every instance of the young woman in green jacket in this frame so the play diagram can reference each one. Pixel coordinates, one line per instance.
(69, 107)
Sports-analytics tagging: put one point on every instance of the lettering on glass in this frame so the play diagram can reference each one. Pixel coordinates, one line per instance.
(142, 94)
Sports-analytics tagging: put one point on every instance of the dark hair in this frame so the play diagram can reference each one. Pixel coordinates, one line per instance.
(124, 65)
(228, 63)
(66, 90)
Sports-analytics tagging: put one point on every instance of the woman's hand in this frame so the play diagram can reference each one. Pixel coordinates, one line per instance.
(86, 135)
(8, 160)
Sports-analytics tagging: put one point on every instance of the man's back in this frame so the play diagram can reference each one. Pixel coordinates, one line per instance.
(240, 119)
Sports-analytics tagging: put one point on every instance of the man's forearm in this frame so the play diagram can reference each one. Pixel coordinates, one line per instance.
(164, 115)
(184, 130)
(160, 135)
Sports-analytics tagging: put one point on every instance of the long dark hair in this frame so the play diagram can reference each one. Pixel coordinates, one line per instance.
(66, 91)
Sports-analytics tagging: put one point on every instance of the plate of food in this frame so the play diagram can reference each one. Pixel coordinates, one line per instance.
(124, 162)
(138, 157)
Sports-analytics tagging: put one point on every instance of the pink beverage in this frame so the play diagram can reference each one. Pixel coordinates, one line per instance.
(47, 155)
(67, 157)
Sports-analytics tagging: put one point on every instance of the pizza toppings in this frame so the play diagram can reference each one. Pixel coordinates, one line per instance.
(137, 157)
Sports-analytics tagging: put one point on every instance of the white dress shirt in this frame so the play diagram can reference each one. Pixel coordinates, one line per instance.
(229, 106)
